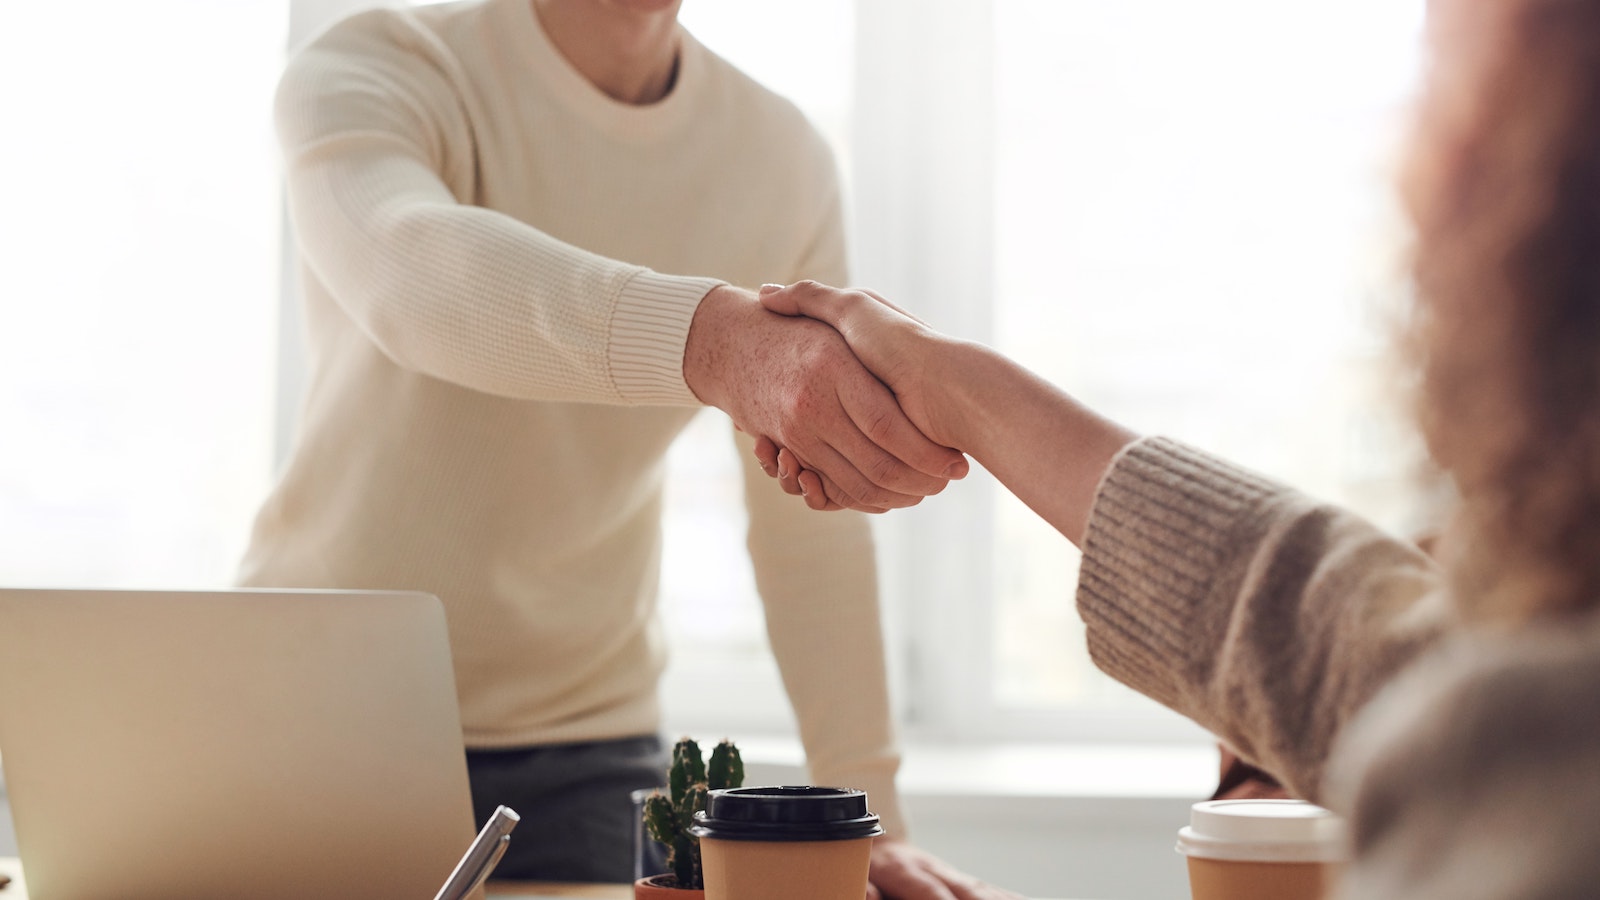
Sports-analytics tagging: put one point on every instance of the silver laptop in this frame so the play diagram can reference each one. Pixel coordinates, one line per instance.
(231, 745)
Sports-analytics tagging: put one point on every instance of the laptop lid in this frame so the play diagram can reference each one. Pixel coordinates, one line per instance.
(246, 744)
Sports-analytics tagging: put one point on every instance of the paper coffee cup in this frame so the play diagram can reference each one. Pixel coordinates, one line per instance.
(785, 843)
(1262, 850)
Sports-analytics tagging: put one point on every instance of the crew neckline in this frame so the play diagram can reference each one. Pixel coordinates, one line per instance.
(613, 116)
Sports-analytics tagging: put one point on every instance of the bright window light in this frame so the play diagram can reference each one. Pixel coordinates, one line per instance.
(1195, 233)
(140, 246)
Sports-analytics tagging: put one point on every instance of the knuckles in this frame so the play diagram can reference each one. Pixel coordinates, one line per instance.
(881, 469)
(800, 405)
(879, 425)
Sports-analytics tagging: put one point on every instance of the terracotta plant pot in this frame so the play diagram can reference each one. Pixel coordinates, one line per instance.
(664, 887)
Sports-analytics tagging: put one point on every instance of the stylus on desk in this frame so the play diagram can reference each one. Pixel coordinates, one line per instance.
(481, 857)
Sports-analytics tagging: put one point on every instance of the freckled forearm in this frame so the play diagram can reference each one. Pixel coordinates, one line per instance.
(709, 347)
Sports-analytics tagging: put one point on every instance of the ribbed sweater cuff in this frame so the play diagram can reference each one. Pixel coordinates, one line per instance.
(649, 328)
(1164, 520)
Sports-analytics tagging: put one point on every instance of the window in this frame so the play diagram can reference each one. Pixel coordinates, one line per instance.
(1179, 211)
(140, 248)
(1194, 232)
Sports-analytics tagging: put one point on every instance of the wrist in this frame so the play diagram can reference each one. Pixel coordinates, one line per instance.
(709, 343)
(960, 376)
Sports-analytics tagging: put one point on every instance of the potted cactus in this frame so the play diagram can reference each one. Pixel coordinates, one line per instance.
(667, 817)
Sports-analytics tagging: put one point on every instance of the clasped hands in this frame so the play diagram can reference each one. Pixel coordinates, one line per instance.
(829, 381)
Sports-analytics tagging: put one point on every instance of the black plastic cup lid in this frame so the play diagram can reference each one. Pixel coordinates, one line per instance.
(786, 814)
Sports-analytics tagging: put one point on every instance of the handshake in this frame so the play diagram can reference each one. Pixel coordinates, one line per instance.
(837, 386)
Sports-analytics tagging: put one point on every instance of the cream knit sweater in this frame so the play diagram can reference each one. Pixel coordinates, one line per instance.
(500, 266)
(1283, 625)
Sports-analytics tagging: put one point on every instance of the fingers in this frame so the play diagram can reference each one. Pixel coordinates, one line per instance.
(795, 479)
(897, 349)
(861, 470)
(921, 886)
(903, 880)
(853, 471)
(813, 486)
(965, 887)
(810, 299)
(817, 490)
(894, 306)
(902, 872)
(766, 454)
(840, 307)
(884, 425)
(805, 389)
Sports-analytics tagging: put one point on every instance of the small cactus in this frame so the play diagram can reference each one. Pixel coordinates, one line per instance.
(668, 816)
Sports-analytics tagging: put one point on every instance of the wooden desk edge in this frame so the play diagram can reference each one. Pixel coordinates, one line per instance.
(10, 866)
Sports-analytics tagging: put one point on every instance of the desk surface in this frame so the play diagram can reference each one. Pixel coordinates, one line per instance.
(530, 890)
(10, 867)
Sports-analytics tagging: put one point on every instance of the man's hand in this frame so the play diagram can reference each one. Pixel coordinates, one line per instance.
(898, 348)
(797, 382)
(902, 872)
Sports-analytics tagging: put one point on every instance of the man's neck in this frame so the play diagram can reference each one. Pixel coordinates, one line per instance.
(628, 51)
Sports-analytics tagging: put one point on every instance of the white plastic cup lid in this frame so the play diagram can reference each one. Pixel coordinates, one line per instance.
(1263, 831)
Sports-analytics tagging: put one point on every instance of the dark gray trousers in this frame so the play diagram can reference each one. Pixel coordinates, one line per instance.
(578, 821)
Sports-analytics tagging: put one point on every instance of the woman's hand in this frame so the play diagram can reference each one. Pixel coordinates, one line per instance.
(898, 348)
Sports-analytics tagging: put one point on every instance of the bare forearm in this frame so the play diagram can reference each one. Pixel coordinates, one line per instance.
(1043, 445)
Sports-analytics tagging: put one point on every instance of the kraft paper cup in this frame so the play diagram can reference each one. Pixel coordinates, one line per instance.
(785, 843)
(1262, 850)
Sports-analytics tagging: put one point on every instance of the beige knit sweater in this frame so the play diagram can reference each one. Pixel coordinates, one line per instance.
(500, 268)
(1273, 620)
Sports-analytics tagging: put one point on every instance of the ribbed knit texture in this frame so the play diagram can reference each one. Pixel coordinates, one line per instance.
(501, 267)
(1265, 616)
(1160, 529)
(1463, 759)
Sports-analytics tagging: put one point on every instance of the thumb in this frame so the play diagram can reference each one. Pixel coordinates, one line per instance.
(777, 298)
(806, 298)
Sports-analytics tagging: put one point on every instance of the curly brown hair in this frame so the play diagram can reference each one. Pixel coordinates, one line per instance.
(1504, 188)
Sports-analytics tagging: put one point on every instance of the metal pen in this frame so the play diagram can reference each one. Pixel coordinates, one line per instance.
(481, 857)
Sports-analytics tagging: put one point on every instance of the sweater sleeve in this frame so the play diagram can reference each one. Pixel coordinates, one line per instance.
(374, 138)
(1268, 618)
(819, 587)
